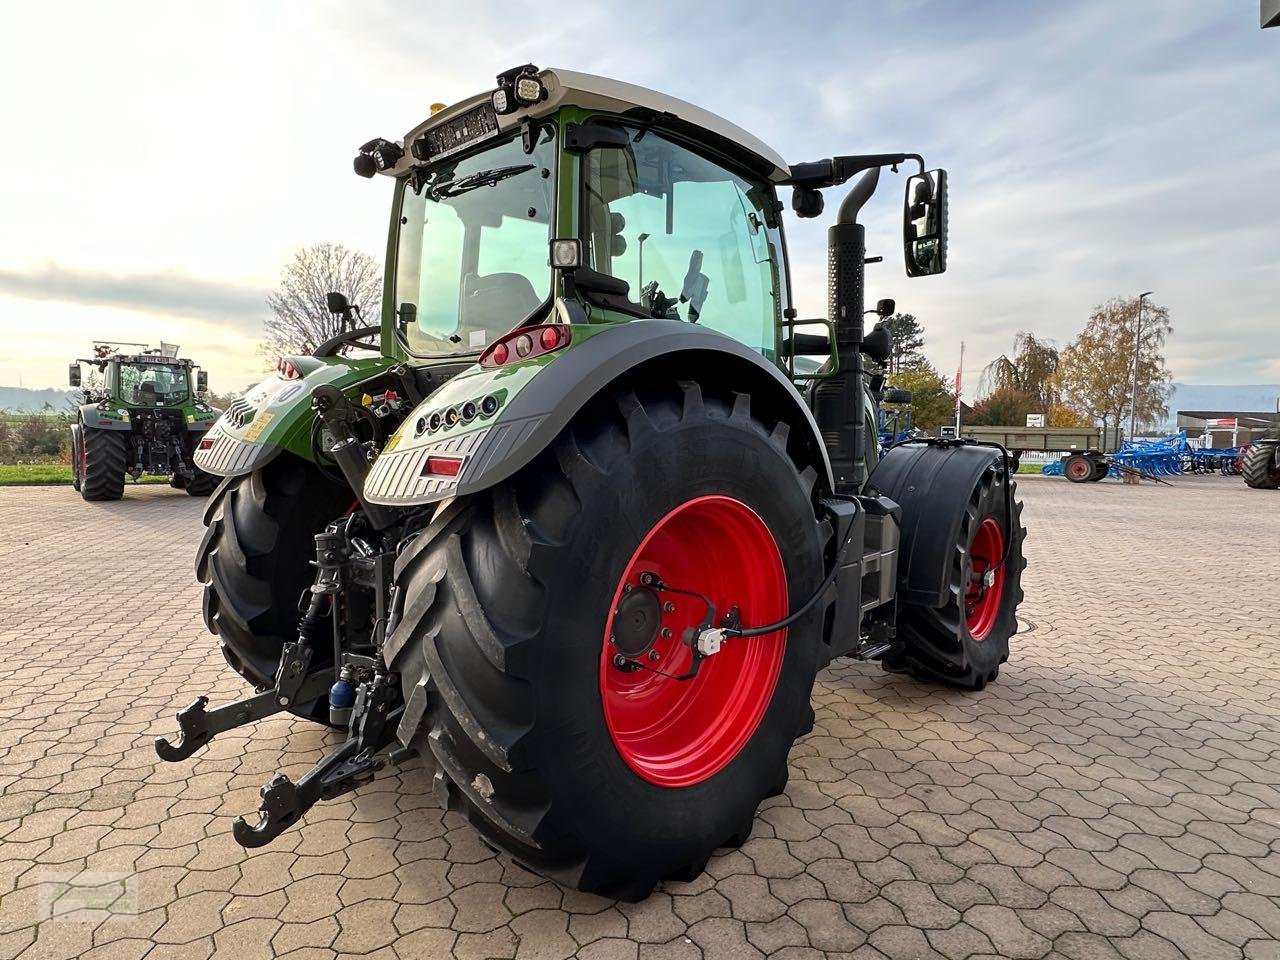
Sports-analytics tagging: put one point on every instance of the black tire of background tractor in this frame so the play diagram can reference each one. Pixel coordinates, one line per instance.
(937, 645)
(76, 454)
(104, 465)
(1078, 468)
(1260, 469)
(500, 611)
(202, 484)
(1100, 469)
(254, 562)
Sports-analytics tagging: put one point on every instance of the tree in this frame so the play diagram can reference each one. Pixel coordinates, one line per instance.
(933, 402)
(301, 319)
(908, 339)
(1095, 375)
(1004, 406)
(1029, 372)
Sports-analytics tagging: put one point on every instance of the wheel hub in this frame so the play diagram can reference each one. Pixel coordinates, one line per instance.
(636, 622)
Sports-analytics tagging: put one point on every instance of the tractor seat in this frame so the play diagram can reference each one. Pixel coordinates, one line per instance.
(496, 300)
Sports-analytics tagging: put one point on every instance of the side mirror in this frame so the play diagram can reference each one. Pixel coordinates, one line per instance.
(885, 308)
(878, 344)
(202, 381)
(73, 374)
(924, 224)
(337, 303)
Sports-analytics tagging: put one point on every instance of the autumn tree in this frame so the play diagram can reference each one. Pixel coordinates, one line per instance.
(1004, 406)
(908, 340)
(1095, 373)
(301, 320)
(1028, 372)
(933, 401)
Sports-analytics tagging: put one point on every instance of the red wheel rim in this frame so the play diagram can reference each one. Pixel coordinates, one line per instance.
(1079, 468)
(678, 733)
(982, 599)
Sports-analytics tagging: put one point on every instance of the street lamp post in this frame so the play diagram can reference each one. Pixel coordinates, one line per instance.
(1137, 339)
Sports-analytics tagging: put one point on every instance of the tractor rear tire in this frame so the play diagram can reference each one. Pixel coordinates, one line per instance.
(202, 484)
(1100, 470)
(1261, 467)
(77, 455)
(509, 612)
(254, 562)
(963, 643)
(103, 465)
(1078, 468)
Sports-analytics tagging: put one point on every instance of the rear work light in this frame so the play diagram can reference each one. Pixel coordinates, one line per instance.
(287, 369)
(526, 343)
(442, 467)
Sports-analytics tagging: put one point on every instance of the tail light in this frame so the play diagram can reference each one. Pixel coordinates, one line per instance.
(443, 466)
(525, 343)
(287, 369)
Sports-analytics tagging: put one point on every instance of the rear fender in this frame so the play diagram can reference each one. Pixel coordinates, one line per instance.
(539, 400)
(276, 415)
(932, 484)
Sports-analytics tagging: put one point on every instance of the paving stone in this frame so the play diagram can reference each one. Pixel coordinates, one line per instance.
(1115, 793)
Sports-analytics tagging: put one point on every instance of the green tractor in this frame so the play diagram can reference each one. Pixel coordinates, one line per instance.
(585, 531)
(144, 415)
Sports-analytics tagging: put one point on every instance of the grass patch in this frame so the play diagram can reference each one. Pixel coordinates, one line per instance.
(1030, 467)
(46, 474)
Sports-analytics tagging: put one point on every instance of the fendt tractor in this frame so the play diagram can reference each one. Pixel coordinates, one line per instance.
(584, 532)
(144, 414)
(1261, 466)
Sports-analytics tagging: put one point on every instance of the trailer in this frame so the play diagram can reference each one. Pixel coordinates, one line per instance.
(1084, 443)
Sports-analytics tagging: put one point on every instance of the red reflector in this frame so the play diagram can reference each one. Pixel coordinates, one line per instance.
(104, 423)
(500, 354)
(443, 466)
(550, 338)
(206, 443)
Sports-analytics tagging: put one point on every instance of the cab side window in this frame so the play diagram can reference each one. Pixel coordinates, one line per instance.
(686, 234)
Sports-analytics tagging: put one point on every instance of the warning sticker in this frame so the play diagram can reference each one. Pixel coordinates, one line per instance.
(259, 424)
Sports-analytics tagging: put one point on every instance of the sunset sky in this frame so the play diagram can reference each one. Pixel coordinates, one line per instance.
(162, 162)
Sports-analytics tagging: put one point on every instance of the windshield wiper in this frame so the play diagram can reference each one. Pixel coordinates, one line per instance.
(485, 178)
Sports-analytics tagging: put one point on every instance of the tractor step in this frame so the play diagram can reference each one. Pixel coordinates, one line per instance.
(871, 650)
(294, 685)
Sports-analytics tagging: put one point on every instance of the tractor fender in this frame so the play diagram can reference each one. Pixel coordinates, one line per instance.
(536, 414)
(93, 417)
(932, 483)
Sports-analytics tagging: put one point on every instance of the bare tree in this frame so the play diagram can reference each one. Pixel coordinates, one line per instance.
(301, 319)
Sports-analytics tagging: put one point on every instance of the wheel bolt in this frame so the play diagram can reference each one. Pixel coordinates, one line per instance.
(619, 661)
(666, 633)
(654, 656)
(669, 607)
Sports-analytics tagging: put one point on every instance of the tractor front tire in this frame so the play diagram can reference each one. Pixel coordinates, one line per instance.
(202, 484)
(512, 606)
(254, 562)
(1261, 467)
(964, 642)
(103, 464)
(1100, 470)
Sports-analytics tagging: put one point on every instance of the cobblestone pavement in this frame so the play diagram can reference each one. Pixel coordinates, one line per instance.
(1115, 794)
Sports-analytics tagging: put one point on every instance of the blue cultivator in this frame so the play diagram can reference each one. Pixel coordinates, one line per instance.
(1153, 459)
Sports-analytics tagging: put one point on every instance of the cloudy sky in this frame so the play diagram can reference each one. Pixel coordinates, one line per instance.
(162, 161)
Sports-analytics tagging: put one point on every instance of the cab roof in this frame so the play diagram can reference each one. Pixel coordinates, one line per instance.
(568, 88)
